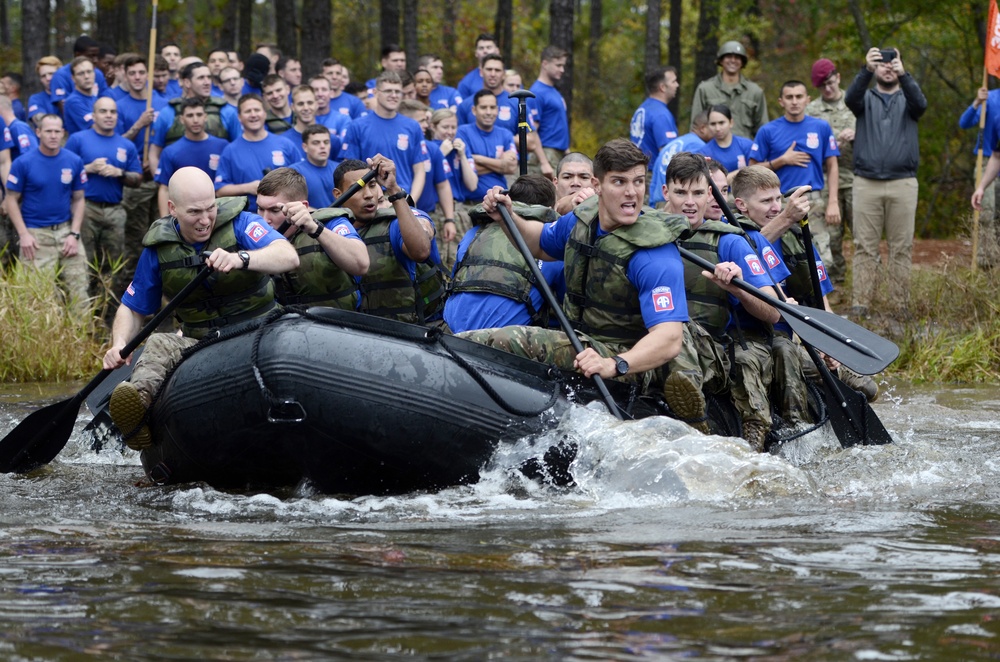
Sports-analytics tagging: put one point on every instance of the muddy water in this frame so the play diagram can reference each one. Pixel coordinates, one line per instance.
(673, 545)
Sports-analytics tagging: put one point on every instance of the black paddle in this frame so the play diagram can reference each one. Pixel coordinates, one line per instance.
(43, 434)
(339, 202)
(863, 425)
(550, 299)
(522, 128)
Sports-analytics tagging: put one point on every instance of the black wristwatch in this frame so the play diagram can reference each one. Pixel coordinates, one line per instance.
(397, 196)
(246, 264)
(319, 230)
(621, 365)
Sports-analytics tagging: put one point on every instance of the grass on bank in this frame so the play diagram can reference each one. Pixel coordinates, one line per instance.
(952, 332)
(40, 339)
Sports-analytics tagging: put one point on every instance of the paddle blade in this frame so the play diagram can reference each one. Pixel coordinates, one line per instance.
(853, 420)
(861, 350)
(40, 437)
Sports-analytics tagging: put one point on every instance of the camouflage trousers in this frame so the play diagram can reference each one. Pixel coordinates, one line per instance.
(754, 371)
(704, 359)
(161, 353)
(548, 346)
(789, 386)
(450, 248)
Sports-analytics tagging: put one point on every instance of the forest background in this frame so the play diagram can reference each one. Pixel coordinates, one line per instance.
(612, 44)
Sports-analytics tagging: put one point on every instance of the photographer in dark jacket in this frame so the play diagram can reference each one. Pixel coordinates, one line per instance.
(886, 155)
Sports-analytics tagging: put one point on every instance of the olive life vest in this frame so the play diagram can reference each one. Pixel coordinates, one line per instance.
(387, 289)
(600, 300)
(214, 125)
(317, 281)
(223, 298)
(708, 304)
(277, 125)
(493, 265)
(799, 284)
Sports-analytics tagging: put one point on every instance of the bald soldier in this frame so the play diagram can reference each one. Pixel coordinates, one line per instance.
(245, 251)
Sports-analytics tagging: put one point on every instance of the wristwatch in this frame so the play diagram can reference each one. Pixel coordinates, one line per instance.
(246, 265)
(319, 230)
(397, 196)
(621, 365)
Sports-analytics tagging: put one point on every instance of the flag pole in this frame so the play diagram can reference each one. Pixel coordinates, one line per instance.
(979, 174)
(150, 67)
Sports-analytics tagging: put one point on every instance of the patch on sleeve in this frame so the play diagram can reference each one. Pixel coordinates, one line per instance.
(130, 290)
(663, 299)
(342, 230)
(821, 270)
(754, 263)
(256, 231)
(771, 257)
(12, 178)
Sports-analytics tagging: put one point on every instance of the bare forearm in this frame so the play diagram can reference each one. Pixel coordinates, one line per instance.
(347, 253)
(275, 258)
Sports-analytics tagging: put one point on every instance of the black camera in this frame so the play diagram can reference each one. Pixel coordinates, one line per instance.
(888, 55)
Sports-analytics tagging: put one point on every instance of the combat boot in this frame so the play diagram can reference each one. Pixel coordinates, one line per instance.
(129, 409)
(863, 383)
(686, 400)
(755, 432)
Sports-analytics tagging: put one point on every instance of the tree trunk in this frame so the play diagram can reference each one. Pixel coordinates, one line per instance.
(389, 23)
(244, 33)
(674, 48)
(410, 44)
(4, 24)
(285, 28)
(859, 20)
(561, 34)
(653, 53)
(448, 32)
(318, 17)
(503, 29)
(227, 33)
(140, 33)
(107, 22)
(708, 40)
(35, 21)
(593, 71)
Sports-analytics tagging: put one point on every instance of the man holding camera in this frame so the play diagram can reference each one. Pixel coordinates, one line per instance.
(886, 155)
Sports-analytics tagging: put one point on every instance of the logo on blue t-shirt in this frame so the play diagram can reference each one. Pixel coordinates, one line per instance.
(663, 299)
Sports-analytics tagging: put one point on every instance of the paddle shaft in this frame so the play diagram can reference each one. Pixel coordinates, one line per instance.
(72, 405)
(522, 97)
(339, 202)
(149, 81)
(550, 299)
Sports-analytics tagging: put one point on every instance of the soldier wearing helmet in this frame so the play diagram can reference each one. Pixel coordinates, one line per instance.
(729, 87)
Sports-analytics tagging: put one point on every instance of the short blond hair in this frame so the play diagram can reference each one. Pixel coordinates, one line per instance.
(753, 178)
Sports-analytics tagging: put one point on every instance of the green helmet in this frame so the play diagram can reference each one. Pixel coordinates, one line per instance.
(732, 48)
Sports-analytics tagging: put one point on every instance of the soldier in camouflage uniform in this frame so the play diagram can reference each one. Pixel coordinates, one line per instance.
(331, 253)
(243, 252)
(830, 106)
(713, 303)
(624, 276)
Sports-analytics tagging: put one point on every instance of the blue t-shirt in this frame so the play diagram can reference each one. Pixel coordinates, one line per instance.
(734, 248)
(165, 119)
(119, 152)
(202, 154)
(458, 191)
(20, 137)
(337, 124)
(61, 85)
(243, 161)
(470, 311)
(689, 142)
(78, 112)
(548, 113)
(129, 111)
(399, 139)
(45, 197)
(319, 181)
(812, 135)
(40, 103)
(173, 89)
(438, 171)
(144, 294)
(346, 104)
(656, 273)
(6, 137)
(825, 285)
(506, 113)
(443, 96)
(652, 127)
(991, 132)
(734, 157)
(492, 145)
(471, 83)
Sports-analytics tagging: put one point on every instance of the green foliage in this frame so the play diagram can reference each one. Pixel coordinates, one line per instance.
(40, 340)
